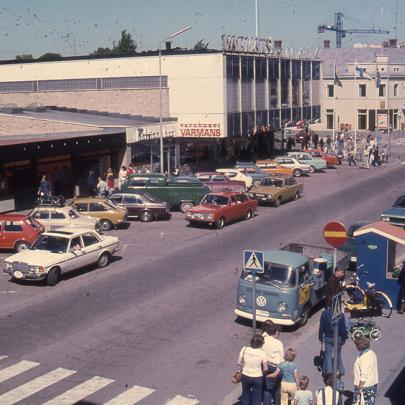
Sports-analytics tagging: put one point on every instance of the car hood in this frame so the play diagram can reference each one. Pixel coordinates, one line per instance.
(394, 212)
(205, 208)
(266, 189)
(36, 257)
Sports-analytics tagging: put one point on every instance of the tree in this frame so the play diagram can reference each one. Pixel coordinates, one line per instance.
(50, 56)
(126, 45)
(103, 52)
(201, 45)
(24, 56)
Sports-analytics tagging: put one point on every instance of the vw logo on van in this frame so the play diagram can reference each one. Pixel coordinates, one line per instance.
(261, 301)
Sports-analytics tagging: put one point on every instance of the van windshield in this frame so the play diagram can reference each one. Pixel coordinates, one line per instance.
(275, 274)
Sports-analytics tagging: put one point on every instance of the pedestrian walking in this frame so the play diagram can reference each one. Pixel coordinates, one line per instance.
(334, 284)
(325, 335)
(44, 188)
(352, 160)
(101, 187)
(324, 396)
(401, 297)
(122, 176)
(365, 373)
(289, 376)
(303, 396)
(252, 360)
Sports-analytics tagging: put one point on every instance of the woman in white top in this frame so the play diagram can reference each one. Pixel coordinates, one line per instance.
(252, 360)
(365, 372)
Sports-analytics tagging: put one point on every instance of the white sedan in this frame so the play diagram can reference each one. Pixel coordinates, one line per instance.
(60, 251)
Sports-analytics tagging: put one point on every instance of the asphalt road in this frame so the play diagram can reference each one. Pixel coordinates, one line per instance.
(161, 315)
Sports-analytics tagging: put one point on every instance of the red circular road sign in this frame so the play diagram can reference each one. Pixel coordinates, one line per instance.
(335, 234)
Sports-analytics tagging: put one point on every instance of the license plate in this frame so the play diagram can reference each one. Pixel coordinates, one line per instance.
(262, 313)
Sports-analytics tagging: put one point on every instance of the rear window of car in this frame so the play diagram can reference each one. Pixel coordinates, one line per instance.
(13, 226)
(81, 206)
(57, 215)
(218, 178)
(89, 239)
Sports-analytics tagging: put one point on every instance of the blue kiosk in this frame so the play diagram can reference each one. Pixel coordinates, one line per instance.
(380, 246)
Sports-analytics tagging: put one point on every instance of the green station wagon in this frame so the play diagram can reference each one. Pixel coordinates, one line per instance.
(180, 192)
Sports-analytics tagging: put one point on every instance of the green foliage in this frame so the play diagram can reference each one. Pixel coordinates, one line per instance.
(201, 45)
(125, 46)
(24, 56)
(50, 56)
(103, 51)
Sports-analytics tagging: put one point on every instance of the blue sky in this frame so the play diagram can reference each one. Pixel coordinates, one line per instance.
(39, 26)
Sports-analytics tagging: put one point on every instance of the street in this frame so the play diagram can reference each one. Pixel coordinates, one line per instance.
(160, 316)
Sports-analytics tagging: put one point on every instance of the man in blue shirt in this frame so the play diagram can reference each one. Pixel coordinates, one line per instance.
(326, 337)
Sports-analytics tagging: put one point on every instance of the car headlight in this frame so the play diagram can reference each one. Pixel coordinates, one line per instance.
(242, 299)
(252, 195)
(386, 219)
(209, 216)
(269, 196)
(36, 269)
(8, 266)
(282, 306)
(189, 214)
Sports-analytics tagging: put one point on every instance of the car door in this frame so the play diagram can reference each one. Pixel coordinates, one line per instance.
(305, 286)
(91, 247)
(4, 243)
(234, 209)
(58, 220)
(98, 210)
(134, 205)
(75, 256)
(42, 216)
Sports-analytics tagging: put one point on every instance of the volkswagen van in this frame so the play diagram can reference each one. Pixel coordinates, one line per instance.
(293, 282)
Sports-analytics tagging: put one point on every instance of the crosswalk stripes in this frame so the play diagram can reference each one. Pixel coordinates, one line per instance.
(80, 392)
(34, 386)
(131, 396)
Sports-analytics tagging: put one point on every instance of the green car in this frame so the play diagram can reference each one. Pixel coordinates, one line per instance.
(180, 192)
(306, 158)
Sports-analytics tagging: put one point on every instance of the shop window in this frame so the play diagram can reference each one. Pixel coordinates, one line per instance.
(331, 90)
(362, 90)
(362, 119)
(316, 70)
(329, 119)
(382, 91)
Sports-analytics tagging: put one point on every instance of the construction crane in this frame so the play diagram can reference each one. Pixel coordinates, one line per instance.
(341, 32)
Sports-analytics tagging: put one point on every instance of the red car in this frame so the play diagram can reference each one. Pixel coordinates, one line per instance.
(217, 209)
(331, 160)
(219, 182)
(18, 231)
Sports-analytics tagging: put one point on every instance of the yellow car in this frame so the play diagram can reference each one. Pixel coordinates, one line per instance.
(277, 189)
(108, 213)
(273, 167)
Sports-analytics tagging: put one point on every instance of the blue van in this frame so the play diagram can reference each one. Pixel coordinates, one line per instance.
(293, 281)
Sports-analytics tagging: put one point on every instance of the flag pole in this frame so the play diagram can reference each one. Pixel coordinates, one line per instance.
(355, 122)
(334, 101)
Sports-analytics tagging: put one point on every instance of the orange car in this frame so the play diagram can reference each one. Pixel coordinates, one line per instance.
(272, 166)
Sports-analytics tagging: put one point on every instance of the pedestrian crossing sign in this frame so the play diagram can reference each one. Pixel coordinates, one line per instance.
(253, 260)
(336, 307)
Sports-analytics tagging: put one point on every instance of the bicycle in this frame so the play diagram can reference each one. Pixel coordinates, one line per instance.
(367, 302)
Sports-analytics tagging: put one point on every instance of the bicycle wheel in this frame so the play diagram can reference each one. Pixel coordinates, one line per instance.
(354, 293)
(385, 302)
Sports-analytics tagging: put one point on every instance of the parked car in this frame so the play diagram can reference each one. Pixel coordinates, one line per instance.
(277, 189)
(396, 214)
(298, 167)
(59, 251)
(331, 160)
(251, 170)
(57, 217)
(218, 209)
(273, 167)
(142, 206)
(306, 158)
(17, 232)
(108, 214)
(236, 174)
(219, 182)
(180, 192)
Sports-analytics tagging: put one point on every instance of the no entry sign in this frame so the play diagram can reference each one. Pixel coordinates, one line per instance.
(335, 234)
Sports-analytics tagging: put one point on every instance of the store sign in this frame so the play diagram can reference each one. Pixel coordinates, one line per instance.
(200, 130)
(382, 121)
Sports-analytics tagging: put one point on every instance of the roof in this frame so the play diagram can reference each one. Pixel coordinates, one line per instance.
(384, 229)
(226, 193)
(69, 231)
(284, 257)
(89, 199)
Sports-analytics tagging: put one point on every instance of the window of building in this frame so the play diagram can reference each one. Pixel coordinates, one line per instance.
(362, 90)
(329, 119)
(396, 88)
(362, 119)
(382, 90)
(331, 90)
(395, 119)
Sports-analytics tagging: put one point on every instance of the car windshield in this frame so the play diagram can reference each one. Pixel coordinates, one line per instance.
(272, 182)
(111, 204)
(215, 199)
(53, 244)
(73, 213)
(34, 224)
(275, 274)
(400, 203)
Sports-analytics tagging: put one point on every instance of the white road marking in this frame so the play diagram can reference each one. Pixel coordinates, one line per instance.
(16, 369)
(34, 386)
(131, 396)
(179, 400)
(80, 392)
(3, 357)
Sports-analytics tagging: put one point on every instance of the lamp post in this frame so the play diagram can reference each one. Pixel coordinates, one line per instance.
(161, 93)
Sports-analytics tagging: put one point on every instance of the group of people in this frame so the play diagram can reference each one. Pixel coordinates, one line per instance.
(270, 374)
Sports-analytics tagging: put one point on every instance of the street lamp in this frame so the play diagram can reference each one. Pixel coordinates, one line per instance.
(160, 91)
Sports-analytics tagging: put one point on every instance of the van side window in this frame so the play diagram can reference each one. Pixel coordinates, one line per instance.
(13, 226)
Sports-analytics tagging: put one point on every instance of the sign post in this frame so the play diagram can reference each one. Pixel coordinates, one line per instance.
(336, 315)
(253, 261)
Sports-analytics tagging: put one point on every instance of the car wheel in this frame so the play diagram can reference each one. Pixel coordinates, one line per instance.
(277, 202)
(220, 223)
(297, 196)
(20, 246)
(312, 169)
(106, 225)
(186, 206)
(304, 315)
(297, 173)
(145, 216)
(53, 276)
(103, 260)
(248, 214)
